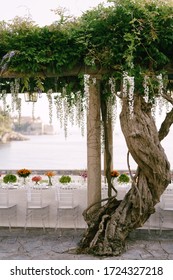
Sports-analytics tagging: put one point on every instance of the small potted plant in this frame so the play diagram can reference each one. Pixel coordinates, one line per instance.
(9, 178)
(123, 179)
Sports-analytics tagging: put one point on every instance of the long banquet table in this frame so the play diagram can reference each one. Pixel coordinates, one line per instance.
(18, 195)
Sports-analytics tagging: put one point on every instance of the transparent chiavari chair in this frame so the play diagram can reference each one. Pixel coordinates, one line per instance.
(36, 209)
(66, 208)
(8, 210)
(166, 209)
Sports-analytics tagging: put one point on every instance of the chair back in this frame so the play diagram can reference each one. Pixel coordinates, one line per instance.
(64, 197)
(34, 197)
(4, 197)
(167, 201)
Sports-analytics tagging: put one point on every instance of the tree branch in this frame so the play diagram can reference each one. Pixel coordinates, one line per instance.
(165, 126)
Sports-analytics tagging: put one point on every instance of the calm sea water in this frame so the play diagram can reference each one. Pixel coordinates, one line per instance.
(57, 153)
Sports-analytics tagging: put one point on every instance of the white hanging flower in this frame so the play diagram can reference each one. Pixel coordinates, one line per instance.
(33, 110)
(128, 91)
(112, 101)
(131, 95)
(19, 107)
(125, 84)
(160, 82)
(154, 109)
(146, 89)
(50, 100)
(66, 113)
(4, 101)
(59, 109)
(86, 90)
(161, 103)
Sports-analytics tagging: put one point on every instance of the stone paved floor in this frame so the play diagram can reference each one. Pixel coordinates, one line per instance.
(34, 244)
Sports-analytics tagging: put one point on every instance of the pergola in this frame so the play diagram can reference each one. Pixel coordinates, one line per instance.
(93, 128)
(132, 41)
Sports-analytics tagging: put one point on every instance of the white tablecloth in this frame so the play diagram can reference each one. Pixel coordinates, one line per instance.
(19, 196)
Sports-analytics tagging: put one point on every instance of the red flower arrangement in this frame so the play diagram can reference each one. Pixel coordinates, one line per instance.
(36, 179)
(114, 173)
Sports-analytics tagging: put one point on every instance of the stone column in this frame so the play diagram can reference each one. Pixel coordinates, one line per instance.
(94, 143)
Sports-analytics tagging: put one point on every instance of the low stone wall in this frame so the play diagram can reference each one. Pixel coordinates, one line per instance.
(61, 171)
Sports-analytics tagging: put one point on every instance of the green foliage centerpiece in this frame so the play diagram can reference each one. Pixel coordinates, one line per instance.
(9, 178)
(123, 179)
(65, 179)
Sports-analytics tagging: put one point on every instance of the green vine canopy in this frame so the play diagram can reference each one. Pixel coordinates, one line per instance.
(129, 43)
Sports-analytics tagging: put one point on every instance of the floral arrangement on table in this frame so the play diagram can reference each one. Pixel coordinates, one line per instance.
(50, 174)
(123, 178)
(36, 179)
(24, 173)
(65, 179)
(9, 178)
(84, 175)
(114, 174)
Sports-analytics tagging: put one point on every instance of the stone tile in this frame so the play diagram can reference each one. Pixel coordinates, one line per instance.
(36, 245)
(167, 246)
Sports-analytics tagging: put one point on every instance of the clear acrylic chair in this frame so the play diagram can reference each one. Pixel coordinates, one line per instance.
(166, 209)
(7, 209)
(66, 208)
(36, 209)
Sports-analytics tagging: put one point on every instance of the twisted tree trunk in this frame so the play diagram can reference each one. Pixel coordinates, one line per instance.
(110, 225)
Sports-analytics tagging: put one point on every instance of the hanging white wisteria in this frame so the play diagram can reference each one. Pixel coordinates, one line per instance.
(161, 104)
(168, 106)
(13, 99)
(71, 114)
(14, 89)
(81, 112)
(154, 109)
(125, 84)
(71, 109)
(86, 91)
(4, 100)
(50, 100)
(33, 111)
(112, 101)
(160, 84)
(19, 107)
(102, 137)
(59, 108)
(128, 91)
(131, 95)
(146, 88)
(65, 107)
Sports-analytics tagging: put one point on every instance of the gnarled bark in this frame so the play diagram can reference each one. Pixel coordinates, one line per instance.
(110, 225)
